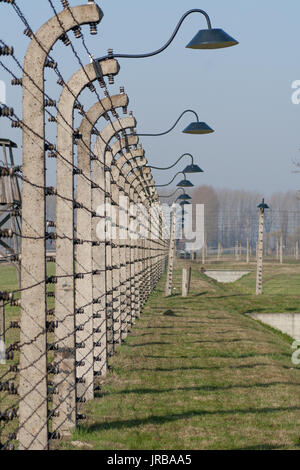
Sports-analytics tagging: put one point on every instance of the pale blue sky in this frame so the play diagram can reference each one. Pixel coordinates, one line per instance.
(243, 92)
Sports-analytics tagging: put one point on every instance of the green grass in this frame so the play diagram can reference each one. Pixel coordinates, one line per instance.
(196, 373)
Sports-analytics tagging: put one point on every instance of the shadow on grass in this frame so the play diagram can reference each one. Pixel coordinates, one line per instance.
(257, 310)
(202, 388)
(155, 327)
(147, 344)
(158, 420)
(200, 294)
(229, 295)
(169, 313)
(244, 366)
(263, 447)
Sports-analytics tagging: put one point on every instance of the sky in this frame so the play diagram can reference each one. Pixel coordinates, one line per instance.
(244, 92)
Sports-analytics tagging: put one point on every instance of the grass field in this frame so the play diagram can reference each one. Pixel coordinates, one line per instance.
(196, 373)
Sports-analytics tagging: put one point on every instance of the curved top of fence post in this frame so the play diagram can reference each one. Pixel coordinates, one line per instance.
(118, 147)
(51, 31)
(78, 82)
(136, 180)
(126, 163)
(110, 131)
(121, 144)
(127, 160)
(90, 119)
(145, 174)
(99, 109)
(148, 175)
(137, 163)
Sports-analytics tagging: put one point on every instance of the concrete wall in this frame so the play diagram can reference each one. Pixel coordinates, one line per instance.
(226, 276)
(288, 323)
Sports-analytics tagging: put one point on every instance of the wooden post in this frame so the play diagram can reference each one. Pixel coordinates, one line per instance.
(297, 251)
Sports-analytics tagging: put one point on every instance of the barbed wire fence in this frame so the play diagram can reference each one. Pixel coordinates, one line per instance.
(77, 303)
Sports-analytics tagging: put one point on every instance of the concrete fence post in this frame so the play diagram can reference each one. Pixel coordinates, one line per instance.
(105, 157)
(169, 281)
(33, 409)
(186, 281)
(128, 163)
(260, 247)
(204, 251)
(247, 252)
(92, 285)
(219, 251)
(2, 330)
(66, 398)
(281, 249)
(118, 176)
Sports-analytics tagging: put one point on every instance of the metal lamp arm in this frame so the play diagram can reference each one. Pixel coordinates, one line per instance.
(151, 54)
(173, 194)
(167, 132)
(163, 185)
(174, 164)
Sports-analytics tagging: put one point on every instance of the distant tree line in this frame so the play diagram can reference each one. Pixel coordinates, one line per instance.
(231, 216)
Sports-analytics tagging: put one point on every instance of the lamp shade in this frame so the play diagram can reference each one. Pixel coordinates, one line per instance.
(184, 197)
(198, 128)
(184, 203)
(263, 205)
(193, 169)
(185, 184)
(211, 39)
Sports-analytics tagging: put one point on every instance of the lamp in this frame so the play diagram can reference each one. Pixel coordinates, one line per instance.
(189, 169)
(195, 127)
(205, 39)
(182, 184)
